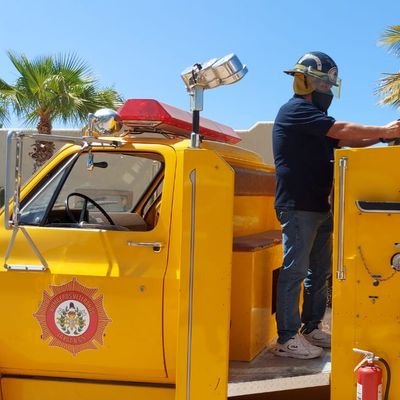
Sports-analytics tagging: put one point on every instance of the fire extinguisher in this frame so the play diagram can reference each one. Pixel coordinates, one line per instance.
(369, 377)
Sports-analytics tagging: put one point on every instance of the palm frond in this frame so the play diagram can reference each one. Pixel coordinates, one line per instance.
(391, 39)
(71, 64)
(4, 110)
(389, 90)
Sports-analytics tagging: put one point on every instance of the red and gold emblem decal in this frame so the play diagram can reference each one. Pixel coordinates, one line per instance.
(72, 317)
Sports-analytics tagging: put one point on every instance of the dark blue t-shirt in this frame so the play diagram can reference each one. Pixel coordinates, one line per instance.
(303, 156)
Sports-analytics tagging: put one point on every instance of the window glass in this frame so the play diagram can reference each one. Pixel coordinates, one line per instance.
(118, 182)
(34, 211)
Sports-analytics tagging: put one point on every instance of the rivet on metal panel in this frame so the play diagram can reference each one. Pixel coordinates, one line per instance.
(373, 299)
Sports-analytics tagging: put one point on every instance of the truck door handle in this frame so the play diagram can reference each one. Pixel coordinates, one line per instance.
(386, 207)
(157, 246)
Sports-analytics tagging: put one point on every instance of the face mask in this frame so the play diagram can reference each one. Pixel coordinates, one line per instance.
(321, 100)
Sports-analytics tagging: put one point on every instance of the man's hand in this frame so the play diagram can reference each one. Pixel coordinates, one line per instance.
(392, 130)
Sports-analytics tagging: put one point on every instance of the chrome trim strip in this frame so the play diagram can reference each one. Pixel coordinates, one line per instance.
(17, 181)
(89, 381)
(8, 171)
(341, 273)
(17, 267)
(192, 177)
(82, 140)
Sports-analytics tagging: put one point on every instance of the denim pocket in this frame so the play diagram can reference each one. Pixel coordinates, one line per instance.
(283, 215)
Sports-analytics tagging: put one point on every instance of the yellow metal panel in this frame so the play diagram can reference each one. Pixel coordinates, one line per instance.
(273, 261)
(234, 153)
(204, 232)
(253, 324)
(253, 214)
(28, 389)
(241, 296)
(132, 300)
(365, 304)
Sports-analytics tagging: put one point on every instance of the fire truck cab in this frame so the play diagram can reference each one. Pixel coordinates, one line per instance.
(136, 266)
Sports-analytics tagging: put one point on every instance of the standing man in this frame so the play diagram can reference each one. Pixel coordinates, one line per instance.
(304, 139)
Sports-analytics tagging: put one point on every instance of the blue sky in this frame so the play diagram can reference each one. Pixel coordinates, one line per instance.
(141, 48)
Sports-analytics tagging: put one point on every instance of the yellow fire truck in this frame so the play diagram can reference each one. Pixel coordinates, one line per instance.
(139, 266)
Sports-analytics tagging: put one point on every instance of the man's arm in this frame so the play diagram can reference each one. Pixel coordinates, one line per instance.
(358, 143)
(357, 135)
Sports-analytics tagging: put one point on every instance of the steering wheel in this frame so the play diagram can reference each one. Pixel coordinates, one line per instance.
(86, 200)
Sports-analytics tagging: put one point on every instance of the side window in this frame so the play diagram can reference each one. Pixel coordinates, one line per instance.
(1, 196)
(153, 199)
(111, 193)
(34, 209)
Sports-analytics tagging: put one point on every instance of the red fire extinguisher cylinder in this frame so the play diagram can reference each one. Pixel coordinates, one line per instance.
(369, 382)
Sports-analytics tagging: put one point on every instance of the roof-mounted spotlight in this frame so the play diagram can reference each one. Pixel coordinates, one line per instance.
(211, 74)
(215, 72)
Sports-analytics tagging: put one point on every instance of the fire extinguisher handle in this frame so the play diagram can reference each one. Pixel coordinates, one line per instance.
(369, 358)
(365, 352)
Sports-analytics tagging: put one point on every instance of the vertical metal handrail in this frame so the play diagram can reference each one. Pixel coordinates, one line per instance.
(13, 135)
(7, 189)
(17, 180)
(340, 272)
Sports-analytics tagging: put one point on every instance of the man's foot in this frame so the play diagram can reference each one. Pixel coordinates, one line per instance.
(297, 347)
(318, 337)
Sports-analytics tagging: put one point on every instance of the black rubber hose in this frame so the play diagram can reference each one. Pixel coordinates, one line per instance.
(388, 376)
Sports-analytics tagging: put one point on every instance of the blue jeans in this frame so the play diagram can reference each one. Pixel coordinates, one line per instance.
(307, 257)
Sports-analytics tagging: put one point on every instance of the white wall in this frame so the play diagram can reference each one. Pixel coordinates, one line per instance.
(259, 139)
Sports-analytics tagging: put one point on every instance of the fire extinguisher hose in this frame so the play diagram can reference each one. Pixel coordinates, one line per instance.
(388, 376)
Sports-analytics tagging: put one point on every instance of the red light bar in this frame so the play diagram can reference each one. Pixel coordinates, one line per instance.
(152, 113)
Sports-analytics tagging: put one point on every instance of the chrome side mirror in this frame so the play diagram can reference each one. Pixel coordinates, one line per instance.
(104, 122)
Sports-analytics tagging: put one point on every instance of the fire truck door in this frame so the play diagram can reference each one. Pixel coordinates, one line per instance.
(95, 308)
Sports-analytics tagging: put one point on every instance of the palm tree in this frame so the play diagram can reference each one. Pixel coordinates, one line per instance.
(389, 86)
(52, 88)
(3, 107)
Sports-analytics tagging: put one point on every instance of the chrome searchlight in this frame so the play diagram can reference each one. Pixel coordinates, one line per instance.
(211, 74)
(104, 122)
